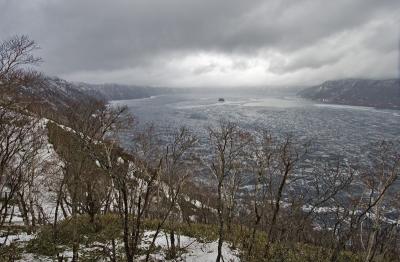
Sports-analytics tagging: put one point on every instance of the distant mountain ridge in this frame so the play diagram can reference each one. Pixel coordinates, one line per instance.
(358, 92)
(52, 97)
(109, 92)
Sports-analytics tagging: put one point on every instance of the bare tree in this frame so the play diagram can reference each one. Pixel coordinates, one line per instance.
(17, 52)
(316, 191)
(28, 202)
(136, 187)
(386, 170)
(288, 153)
(16, 127)
(272, 164)
(16, 59)
(261, 166)
(93, 129)
(173, 176)
(367, 207)
(18, 142)
(228, 144)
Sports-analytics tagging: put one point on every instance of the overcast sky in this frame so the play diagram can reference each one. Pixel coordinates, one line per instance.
(209, 42)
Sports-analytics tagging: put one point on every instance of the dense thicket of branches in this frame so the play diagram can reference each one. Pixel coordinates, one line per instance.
(20, 134)
(259, 185)
(16, 61)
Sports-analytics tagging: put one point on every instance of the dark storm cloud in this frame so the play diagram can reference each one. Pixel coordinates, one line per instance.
(169, 42)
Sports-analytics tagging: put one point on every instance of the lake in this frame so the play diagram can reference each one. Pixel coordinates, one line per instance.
(335, 129)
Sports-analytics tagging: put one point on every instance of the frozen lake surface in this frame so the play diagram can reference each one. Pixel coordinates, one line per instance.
(334, 129)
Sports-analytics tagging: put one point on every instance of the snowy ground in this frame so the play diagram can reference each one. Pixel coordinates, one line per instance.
(192, 249)
(23, 237)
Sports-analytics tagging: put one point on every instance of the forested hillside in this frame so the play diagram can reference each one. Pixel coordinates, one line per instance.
(358, 92)
(109, 92)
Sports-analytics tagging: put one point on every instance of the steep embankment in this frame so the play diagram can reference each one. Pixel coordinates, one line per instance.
(358, 92)
(52, 97)
(49, 97)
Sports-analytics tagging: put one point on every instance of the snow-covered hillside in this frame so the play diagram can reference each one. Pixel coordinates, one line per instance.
(47, 173)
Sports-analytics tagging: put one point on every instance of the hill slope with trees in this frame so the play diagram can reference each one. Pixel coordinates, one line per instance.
(357, 92)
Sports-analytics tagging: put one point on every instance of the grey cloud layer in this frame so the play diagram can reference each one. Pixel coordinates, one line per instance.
(135, 41)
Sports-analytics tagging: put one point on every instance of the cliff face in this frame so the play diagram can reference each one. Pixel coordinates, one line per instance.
(359, 92)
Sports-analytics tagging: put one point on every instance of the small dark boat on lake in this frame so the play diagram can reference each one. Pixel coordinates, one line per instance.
(221, 99)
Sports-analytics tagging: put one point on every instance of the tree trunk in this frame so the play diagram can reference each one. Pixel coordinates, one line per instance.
(220, 221)
(276, 210)
(113, 251)
(128, 248)
(173, 247)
